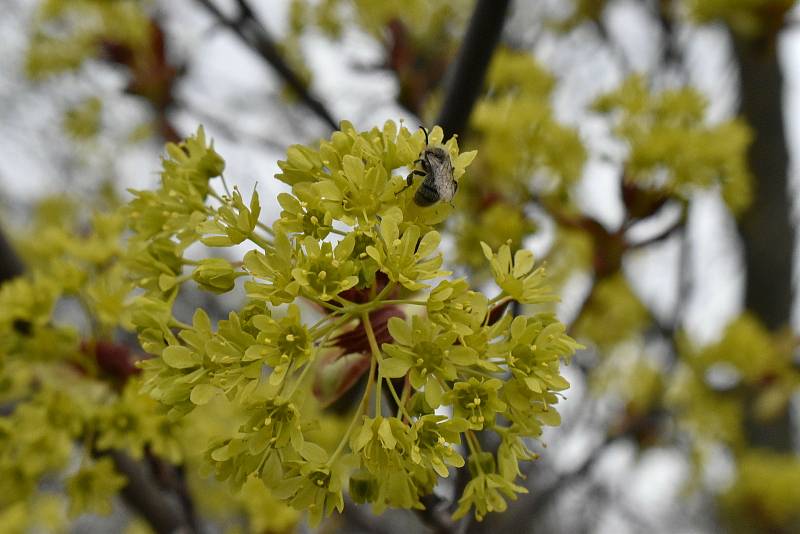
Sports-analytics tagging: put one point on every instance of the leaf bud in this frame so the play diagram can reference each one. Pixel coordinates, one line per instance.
(215, 274)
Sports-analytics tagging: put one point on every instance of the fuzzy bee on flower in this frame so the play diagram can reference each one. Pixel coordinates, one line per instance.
(437, 168)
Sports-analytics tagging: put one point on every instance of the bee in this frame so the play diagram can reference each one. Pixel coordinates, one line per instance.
(437, 168)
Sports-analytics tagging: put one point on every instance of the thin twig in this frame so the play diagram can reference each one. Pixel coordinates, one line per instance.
(614, 47)
(253, 34)
(532, 504)
(543, 499)
(226, 129)
(661, 236)
(671, 53)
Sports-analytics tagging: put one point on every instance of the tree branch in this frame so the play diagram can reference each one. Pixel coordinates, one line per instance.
(434, 516)
(766, 228)
(253, 34)
(10, 264)
(532, 504)
(665, 234)
(546, 497)
(141, 493)
(671, 51)
(357, 517)
(469, 70)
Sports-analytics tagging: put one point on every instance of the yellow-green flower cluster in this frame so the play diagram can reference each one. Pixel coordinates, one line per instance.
(763, 494)
(516, 122)
(350, 242)
(427, 20)
(66, 387)
(583, 10)
(612, 314)
(526, 154)
(748, 18)
(748, 375)
(68, 32)
(672, 147)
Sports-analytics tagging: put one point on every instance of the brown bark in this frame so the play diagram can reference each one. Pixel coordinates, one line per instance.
(766, 228)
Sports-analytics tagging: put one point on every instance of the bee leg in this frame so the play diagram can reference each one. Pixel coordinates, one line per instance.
(455, 190)
(410, 179)
(415, 172)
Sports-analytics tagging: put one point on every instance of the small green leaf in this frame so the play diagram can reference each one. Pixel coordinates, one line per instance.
(179, 357)
(394, 367)
(433, 392)
(353, 168)
(216, 241)
(166, 282)
(400, 331)
(200, 320)
(385, 433)
(313, 453)
(202, 393)
(534, 384)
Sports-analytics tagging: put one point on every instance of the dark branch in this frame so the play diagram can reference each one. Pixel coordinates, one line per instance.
(355, 516)
(767, 228)
(10, 264)
(614, 46)
(545, 498)
(532, 504)
(434, 516)
(469, 70)
(665, 234)
(141, 493)
(253, 34)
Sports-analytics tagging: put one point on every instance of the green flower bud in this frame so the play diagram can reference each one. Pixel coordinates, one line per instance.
(211, 164)
(216, 275)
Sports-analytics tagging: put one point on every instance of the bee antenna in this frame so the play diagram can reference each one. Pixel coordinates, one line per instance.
(426, 134)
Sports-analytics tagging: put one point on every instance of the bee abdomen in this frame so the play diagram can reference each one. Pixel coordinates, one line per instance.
(426, 195)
